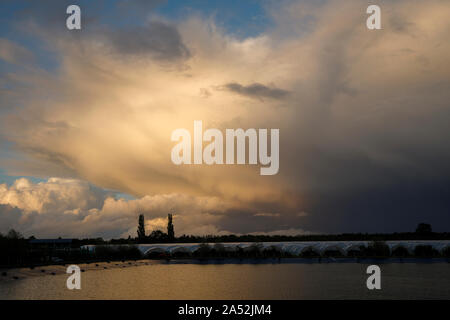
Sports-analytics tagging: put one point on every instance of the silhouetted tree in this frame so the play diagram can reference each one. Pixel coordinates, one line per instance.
(13, 234)
(170, 230)
(424, 228)
(141, 228)
(157, 236)
(377, 249)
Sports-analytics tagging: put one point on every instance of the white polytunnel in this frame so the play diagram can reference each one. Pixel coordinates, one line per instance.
(354, 246)
(334, 247)
(294, 248)
(154, 250)
(180, 249)
(394, 247)
(304, 249)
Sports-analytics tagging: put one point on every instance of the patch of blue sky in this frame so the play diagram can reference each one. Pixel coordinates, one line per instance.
(10, 29)
(9, 180)
(239, 18)
(7, 154)
(120, 195)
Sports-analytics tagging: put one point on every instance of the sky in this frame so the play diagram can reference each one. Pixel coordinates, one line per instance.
(86, 116)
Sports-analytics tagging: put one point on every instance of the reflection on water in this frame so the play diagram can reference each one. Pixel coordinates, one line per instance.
(238, 281)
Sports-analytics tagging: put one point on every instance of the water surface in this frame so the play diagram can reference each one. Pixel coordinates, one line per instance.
(146, 280)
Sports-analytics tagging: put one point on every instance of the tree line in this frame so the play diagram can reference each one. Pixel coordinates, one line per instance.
(16, 250)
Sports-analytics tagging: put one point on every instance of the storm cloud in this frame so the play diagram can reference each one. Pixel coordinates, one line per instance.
(256, 90)
(363, 121)
(158, 39)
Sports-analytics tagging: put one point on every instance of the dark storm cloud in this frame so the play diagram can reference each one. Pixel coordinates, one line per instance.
(397, 207)
(123, 25)
(256, 90)
(159, 39)
(260, 219)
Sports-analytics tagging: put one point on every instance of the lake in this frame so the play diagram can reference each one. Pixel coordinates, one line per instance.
(290, 279)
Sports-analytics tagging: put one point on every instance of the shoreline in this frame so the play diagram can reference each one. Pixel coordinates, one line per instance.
(226, 260)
